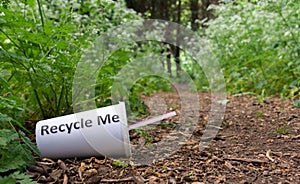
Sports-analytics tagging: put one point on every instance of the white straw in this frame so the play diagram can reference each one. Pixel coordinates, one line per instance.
(151, 120)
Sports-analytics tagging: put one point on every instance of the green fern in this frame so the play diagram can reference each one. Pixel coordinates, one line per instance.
(14, 156)
(17, 177)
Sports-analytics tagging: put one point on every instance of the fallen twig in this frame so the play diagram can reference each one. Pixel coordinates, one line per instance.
(268, 155)
(296, 137)
(246, 160)
(116, 180)
(65, 181)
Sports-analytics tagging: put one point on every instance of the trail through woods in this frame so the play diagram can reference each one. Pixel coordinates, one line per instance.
(259, 143)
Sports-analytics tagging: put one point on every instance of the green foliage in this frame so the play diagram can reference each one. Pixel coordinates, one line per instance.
(40, 46)
(10, 111)
(281, 130)
(119, 163)
(34, 58)
(26, 141)
(195, 71)
(4, 3)
(128, 70)
(166, 125)
(10, 106)
(259, 114)
(257, 44)
(144, 134)
(146, 86)
(16, 177)
(297, 104)
(14, 155)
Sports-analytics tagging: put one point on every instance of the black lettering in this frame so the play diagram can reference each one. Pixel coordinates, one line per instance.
(69, 127)
(107, 117)
(88, 123)
(53, 129)
(60, 129)
(82, 125)
(44, 129)
(76, 123)
(115, 118)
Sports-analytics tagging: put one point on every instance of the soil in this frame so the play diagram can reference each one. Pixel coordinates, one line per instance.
(258, 142)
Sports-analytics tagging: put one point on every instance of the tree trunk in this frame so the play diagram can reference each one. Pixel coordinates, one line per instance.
(194, 14)
(177, 49)
(205, 13)
(137, 5)
(169, 61)
(166, 16)
(153, 9)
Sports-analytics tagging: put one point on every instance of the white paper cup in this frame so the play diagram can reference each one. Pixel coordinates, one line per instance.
(99, 132)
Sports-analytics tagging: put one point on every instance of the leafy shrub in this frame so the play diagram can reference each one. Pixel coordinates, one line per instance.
(257, 43)
(41, 43)
(4, 3)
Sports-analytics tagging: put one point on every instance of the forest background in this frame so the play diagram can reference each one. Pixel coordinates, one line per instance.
(41, 42)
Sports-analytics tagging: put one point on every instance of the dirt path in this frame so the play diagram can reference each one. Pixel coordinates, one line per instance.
(259, 143)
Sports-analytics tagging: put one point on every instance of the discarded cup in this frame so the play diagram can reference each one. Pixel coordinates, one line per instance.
(98, 132)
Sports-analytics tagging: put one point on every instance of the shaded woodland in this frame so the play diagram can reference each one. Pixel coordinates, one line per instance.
(255, 43)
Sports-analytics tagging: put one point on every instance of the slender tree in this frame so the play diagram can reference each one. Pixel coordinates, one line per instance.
(177, 49)
(194, 7)
(168, 57)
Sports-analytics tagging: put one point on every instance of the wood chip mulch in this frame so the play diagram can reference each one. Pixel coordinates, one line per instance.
(259, 143)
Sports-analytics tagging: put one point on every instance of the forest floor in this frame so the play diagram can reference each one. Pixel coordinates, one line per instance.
(259, 142)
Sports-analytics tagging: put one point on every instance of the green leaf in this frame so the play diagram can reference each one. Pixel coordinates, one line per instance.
(7, 180)
(28, 143)
(6, 137)
(23, 178)
(4, 83)
(119, 163)
(5, 118)
(31, 3)
(14, 155)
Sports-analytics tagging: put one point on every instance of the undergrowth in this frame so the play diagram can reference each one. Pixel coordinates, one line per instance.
(16, 151)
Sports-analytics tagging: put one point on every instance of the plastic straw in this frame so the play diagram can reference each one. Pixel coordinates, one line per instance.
(151, 120)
